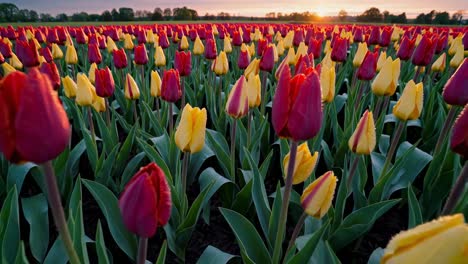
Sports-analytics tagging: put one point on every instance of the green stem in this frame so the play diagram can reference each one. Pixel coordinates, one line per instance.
(263, 90)
(377, 108)
(296, 231)
(446, 128)
(58, 214)
(171, 121)
(285, 204)
(142, 249)
(457, 190)
(182, 88)
(91, 123)
(416, 75)
(249, 121)
(393, 146)
(352, 171)
(108, 119)
(185, 164)
(233, 150)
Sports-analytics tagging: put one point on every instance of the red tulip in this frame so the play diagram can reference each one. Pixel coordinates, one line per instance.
(39, 36)
(5, 49)
(170, 86)
(62, 35)
(27, 53)
(298, 37)
(34, 125)
(267, 61)
(442, 43)
(145, 203)
(424, 52)
(104, 82)
(456, 89)
(47, 54)
(2, 59)
(459, 139)
(315, 47)
(340, 50)
(210, 49)
(236, 38)
(51, 70)
(385, 37)
(141, 57)
(246, 36)
(374, 37)
(193, 34)
(11, 33)
(297, 106)
(141, 37)
(183, 62)
(406, 48)
(368, 66)
(52, 36)
(358, 35)
(80, 37)
(163, 41)
(94, 54)
(120, 58)
(244, 59)
(261, 46)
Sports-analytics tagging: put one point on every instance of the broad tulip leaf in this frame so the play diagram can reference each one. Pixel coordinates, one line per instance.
(35, 210)
(212, 255)
(17, 174)
(414, 214)
(101, 250)
(9, 227)
(131, 169)
(162, 254)
(376, 256)
(306, 252)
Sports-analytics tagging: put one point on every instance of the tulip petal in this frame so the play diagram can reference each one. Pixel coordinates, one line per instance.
(199, 130)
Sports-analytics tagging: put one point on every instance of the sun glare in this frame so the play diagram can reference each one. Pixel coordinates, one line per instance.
(320, 11)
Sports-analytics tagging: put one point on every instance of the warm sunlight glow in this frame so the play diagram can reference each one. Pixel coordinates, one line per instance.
(320, 11)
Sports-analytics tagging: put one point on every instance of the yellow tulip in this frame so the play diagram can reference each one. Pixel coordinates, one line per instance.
(251, 49)
(99, 103)
(360, 54)
(253, 68)
(56, 52)
(150, 36)
(159, 57)
(418, 39)
(291, 56)
(327, 47)
(257, 35)
(318, 196)
(215, 30)
(69, 87)
(190, 134)
(29, 34)
(458, 57)
(70, 56)
(184, 45)
(386, 81)
(84, 92)
(7, 69)
(455, 43)
(198, 48)
(38, 46)
(111, 46)
(220, 64)
(409, 106)
(132, 92)
(363, 139)
(395, 34)
(444, 240)
(254, 90)
(304, 165)
(92, 73)
(155, 84)
(381, 61)
(15, 62)
(128, 42)
(227, 45)
(280, 47)
(301, 51)
(327, 61)
(278, 37)
(288, 40)
(237, 104)
(327, 83)
(439, 64)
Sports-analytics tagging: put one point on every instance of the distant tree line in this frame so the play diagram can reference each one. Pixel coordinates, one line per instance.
(11, 13)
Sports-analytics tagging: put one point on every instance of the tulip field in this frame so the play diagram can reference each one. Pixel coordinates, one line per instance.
(233, 143)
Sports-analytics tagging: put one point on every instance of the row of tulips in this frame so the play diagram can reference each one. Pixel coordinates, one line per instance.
(92, 104)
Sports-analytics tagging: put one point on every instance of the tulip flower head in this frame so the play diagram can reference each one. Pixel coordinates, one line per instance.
(155, 86)
(170, 86)
(327, 83)
(84, 92)
(406, 48)
(267, 61)
(360, 54)
(56, 52)
(409, 106)
(132, 92)
(120, 58)
(198, 48)
(70, 56)
(424, 52)
(51, 70)
(183, 62)
(7, 68)
(254, 90)
(459, 139)
(456, 89)
(305, 163)
(439, 64)
(27, 53)
(386, 81)
(457, 57)
(220, 65)
(69, 87)
(368, 66)
(363, 139)
(190, 134)
(318, 196)
(159, 57)
(94, 55)
(145, 203)
(381, 61)
(237, 104)
(141, 57)
(104, 82)
(340, 50)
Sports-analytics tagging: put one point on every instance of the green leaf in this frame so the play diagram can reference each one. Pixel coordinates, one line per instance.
(153, 155)
(414, 214)
(162, 254)
(212, 255)
(103, 175)
(110, 208)
(196, 162)
(324, 254)
(107, 139)
(359, 222)
(35, 210)
(275, 215)
(72, 166)
(376, 256)
(17, 174)
(124, 153)
(101, 246)
(218, 144)
(21, 255)
(9, 227)
(243, 199)
(131, 169)
(251, 245)
(57, 253)
(306, 252)
(77, 230)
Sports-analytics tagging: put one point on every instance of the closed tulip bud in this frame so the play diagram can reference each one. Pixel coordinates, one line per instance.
(237, 38)
(424, 52)
(92, 73)
(267, 61)
(145, 203)
(56, 52)
(385, 37)
(94, 54)
(104, 82)
(381, 61)
(7, 69)
(190, 134)
(288, 40)
(253, 68)
(170, 86)
(363, 139)
(456, 42)
(69, 87)
(84, 92)
(51, 71)
(459, 139)
(220, 65)
(227, 47)
(281, 67)
(297, 107)
(458, 57)
(128, 42)
(327, 82)
(305, 163)
(244, 59)
(35, 126)
(254, 90)
(5, 49)
(386, 81)
(99, 103)
(456, 89)
(360, 54)
(111, 46)
(318, 196)
(368, 67)
(120, 59)
(374, 37)
(439, 64)
(183, 62)
(301, 51)
(406, 48)
(237, 104)
(70, 56)
(27, 53)
(163, 40)
(251, 49)
(280, 48)
(183, 45)
(210, 49)
(340, 50)
(159, 57)
(15, 62)
(140, 55)
(155, 86)
(443, 240)
(198, 48)
(291, 56)
(409, 106)
(132, 92)
(47, 54)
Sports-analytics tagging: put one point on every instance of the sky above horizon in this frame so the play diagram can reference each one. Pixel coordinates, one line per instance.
(247, 7)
